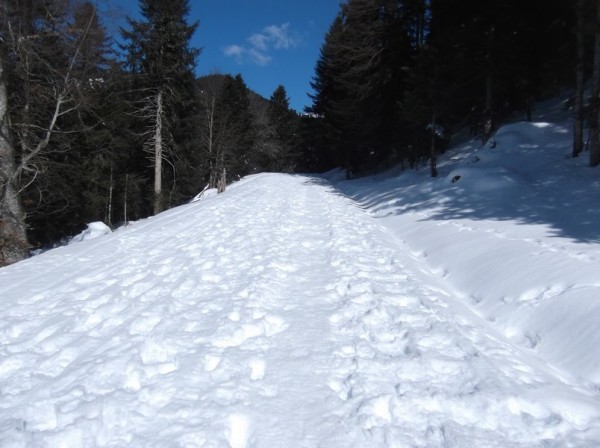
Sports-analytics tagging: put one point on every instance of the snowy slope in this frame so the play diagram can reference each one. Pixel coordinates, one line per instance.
(283, 313)
(517, 235)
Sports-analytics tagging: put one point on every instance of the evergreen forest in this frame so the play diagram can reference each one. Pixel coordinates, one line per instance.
(95, 127)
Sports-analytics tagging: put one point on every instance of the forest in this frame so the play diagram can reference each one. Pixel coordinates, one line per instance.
(95, 127)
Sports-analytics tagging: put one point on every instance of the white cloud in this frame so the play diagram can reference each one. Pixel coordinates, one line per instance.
(258, 57)
(259, 42)
(272, 37)
(280, 36)
(233, 50)
(236, 52)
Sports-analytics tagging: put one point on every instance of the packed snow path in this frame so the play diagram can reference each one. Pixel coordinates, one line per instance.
(278, 314)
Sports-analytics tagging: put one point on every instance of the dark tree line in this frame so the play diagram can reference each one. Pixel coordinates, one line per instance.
(95, 130)
(587, 110)
(395, 78)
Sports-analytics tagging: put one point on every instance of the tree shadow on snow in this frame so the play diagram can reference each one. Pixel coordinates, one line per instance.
(564, 197)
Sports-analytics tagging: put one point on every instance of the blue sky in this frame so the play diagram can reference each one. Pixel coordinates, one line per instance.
(270, 42)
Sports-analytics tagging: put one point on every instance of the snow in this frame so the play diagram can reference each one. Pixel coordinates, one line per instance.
(304, 311)
(94, 230)
(205, 193)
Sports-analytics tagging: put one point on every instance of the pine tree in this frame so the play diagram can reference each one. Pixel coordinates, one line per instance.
(160, 57)
(360, 77)
(326, 93)
(595, 95)
(236, 129)
(285, 127)
(392, 73)
(493, 61)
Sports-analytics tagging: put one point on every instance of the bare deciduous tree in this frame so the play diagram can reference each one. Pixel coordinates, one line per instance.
(210, 89)
(13, 238)
(26, 132)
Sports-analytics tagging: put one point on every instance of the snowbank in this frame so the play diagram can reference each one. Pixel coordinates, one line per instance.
(94, 230)
(512, 229)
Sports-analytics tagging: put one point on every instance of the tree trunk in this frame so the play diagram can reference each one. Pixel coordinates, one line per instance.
(528, 108)
(594, 137)
(433, 152)
(13, 236)
(210, 115)
(488, 114)
(125, 200)
(110, 195)
(579, 82)
(211, 135)
(158, 206)
(211, 124)
(222, 183)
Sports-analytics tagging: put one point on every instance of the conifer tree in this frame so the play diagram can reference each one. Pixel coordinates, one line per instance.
(285, 127)
(595, 94)
(498, 57)
(236, 128)
(326, 92)
(359, 79)
(161, 58)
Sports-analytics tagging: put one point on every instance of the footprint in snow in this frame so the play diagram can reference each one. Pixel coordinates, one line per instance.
(265, 325)
(257, 369)
(211, 362)
(162, 270)
(144, 324)
(239, 431)
(376, 412)
(157, 359)
(274, 325)
(239, 336)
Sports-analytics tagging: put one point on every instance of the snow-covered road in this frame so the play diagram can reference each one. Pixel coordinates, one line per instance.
(278, 314)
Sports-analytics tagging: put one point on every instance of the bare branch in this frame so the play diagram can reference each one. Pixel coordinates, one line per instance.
(62, 98)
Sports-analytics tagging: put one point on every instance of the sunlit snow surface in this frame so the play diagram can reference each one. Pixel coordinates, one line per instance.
(406, 312)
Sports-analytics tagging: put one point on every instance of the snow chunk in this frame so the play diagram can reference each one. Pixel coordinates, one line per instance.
(239, 427)
(94, 230)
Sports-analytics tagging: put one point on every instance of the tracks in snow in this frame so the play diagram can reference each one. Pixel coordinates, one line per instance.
(278, 314)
